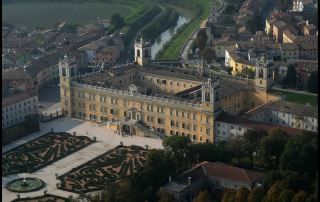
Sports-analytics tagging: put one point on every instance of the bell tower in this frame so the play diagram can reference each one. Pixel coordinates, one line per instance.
(264, 74)
(142, 52)
(211, 91)
(67, 69)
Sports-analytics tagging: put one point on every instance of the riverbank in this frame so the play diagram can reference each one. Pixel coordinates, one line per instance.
(172, 49)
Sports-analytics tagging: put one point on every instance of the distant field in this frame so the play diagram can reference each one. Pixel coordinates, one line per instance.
(47, 14)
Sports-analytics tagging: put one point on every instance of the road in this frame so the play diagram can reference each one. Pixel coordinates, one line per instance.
(186, 46)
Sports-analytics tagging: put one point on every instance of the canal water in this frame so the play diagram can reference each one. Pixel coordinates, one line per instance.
(166, 36)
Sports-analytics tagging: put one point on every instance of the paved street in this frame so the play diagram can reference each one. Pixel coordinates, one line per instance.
(106, 140)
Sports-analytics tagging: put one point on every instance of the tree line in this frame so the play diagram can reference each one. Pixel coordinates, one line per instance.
(165, 21)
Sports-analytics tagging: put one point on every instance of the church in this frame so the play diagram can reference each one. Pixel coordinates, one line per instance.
(151, 99)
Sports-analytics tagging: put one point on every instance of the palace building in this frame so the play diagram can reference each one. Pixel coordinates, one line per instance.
(147, 98)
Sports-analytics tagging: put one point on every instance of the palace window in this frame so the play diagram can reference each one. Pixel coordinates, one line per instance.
(171, 123)
(160, 121)
(177, 124)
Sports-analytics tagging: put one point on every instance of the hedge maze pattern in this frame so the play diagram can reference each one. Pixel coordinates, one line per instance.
(44, 198)
(42, 151)
(107, 168)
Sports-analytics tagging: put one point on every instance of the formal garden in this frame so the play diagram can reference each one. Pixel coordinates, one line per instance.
(41, 152)
(103, 170)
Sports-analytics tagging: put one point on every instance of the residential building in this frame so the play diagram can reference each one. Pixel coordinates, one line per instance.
(229, 126)
(17, 106)
(216, 176)
(287, 114)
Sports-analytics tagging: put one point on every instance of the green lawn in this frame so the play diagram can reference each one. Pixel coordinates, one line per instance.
(301, 98)
(47, 14)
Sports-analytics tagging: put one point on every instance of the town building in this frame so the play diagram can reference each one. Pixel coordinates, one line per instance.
(229, 126)
(17, 106)
(216, 176)
(286, 114)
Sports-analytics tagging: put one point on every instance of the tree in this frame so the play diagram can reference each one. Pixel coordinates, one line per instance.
(312, 85)
(242, 195)
(301, 196)
(117, 21)
(208, 54)
(300, 151)
(286, 196)
(282, 5)
(178, 149)
(223, 152)
(250, 25)
(201, 39)
(251, 140)
(203, 152)
(271, 177)
(165, 196)
(295, 181)
(274, 191)
(230, 9)
(272, 146)
(228, 196)
(256, 195)
(236, 146)
(157, 169)
(291, 77)
(203, 196)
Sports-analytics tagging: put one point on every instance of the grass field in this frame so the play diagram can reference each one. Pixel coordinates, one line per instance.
(301, 98)
(47, 14)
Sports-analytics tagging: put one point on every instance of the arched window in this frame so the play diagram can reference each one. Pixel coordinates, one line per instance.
(138, 53)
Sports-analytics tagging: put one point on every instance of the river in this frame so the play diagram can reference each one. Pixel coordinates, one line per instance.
(166, 36)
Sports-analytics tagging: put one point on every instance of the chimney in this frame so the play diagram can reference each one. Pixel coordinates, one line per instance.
(169, 179)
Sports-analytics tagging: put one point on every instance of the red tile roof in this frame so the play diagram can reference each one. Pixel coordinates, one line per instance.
(220, 170)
